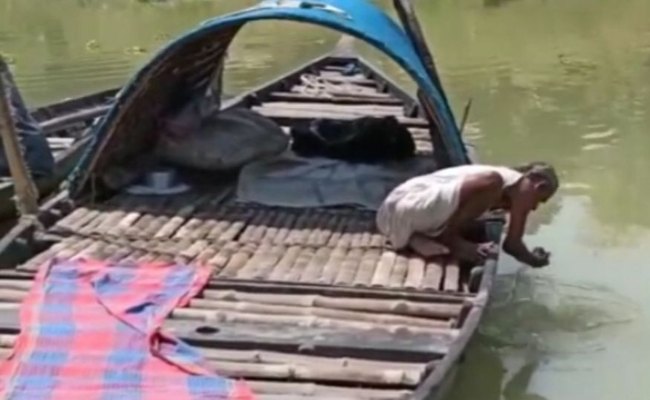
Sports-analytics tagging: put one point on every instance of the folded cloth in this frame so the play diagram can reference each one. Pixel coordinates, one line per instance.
(91, 330)
(293, 181)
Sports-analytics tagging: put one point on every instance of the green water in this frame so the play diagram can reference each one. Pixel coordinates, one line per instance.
(563, 81)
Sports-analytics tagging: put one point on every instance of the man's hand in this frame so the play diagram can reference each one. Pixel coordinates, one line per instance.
(540, 257)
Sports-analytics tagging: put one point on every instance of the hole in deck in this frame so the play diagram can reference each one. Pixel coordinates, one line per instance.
(207, 330)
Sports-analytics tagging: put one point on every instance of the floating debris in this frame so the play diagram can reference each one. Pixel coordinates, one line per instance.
(92, 45)
(134, 50)
(600, 135)
(595, 146)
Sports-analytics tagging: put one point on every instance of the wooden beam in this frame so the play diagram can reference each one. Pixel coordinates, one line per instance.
(67, 120)
(329, 342)
(337, 291)
(335, 99)
(25, 188)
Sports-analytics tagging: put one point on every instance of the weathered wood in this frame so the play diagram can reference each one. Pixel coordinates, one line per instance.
(12, 295)
(318, 373)
(294, 321)
(71, 119)
(271, 357)
(299, 266)
(433, 275)
(268, 261)
(327, 341)
(24, 186)
(315, 267)
(310, 391)
(262, 364)
(318, 312)
(285, 264)
(400, 307)
(221, 258)
(337, 256)
(452, 277)
(284, 229)
(415, 273)
(398, 274)
(366, 270)
(174, 223)
(333, 98)
(274, 286)
(374, 110)
(348, 268)
(7, 341)
(16, 284)
(288, 116)
(384, 269)
(250, 268)
(237, 260)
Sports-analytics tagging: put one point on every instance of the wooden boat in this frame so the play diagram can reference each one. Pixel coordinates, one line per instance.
(304, 303)
(64, 123)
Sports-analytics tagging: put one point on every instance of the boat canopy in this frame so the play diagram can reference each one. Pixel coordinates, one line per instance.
(185, 68)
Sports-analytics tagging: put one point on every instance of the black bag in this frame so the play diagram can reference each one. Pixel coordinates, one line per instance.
(365, 140)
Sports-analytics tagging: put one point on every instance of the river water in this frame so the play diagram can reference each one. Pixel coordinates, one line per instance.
(562, 81)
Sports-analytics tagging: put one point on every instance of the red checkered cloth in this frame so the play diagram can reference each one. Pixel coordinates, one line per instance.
(91, 330)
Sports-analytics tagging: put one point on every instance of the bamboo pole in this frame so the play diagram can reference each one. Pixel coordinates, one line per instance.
(26, 192)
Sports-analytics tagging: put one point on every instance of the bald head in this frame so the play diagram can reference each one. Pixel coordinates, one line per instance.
(541, 171)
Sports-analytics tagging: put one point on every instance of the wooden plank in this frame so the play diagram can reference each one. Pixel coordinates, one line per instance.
(433, 275)
(336, 99)
(316, 312)
(322, 341)
(452, 277)
(384, 269)
(315, 372)
(399, 307)
(329, 341)
(310, 391)
(335, 291)
(71, 119)
(415, 273)
(289, 117)
(291, 321)
(375, 110)
(350, 80)
(274, 357)
(367, 266)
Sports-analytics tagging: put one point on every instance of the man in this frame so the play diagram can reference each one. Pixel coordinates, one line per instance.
(427, 211)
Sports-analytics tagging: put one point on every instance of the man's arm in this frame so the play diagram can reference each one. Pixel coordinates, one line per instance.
(514, 244)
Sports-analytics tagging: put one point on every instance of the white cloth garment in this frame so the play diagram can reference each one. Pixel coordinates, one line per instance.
(425, 203)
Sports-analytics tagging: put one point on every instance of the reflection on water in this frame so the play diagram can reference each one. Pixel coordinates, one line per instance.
(533, 319)
(559, 318)
(563, 81)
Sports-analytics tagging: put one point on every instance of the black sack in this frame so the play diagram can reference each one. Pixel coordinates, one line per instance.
(364, 140)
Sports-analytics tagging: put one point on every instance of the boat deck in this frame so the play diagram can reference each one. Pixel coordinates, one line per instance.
(303, 303)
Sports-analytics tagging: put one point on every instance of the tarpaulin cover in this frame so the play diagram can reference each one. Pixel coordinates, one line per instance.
(91, 330)
(358, 18)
